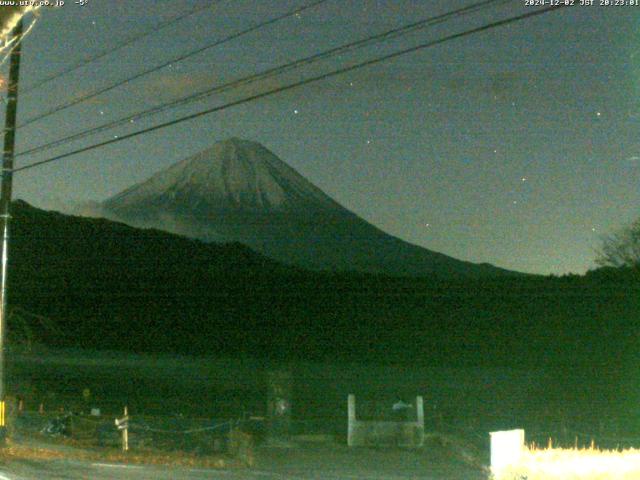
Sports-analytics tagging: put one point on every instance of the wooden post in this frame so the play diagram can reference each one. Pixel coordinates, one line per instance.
(5, 201)
(125, 432)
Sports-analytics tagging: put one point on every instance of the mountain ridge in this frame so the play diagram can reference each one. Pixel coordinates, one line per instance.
(238, 190)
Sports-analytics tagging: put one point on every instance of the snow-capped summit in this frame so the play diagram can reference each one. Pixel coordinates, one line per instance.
(234, 174)
(238, 190)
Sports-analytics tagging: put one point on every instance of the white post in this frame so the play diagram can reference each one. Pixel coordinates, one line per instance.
(352, 418)
(420, 420)
(507, 448)
(420, 410)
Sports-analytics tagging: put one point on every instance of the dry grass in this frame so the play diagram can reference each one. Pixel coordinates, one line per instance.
(15, 450)
(574, 464)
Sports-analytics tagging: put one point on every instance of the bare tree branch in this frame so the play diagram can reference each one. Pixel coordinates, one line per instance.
(621, 249)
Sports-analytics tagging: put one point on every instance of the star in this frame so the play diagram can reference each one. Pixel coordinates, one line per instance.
(295, 112)
(368, 142)
(524, 179)
(598, 114)
(101, 112)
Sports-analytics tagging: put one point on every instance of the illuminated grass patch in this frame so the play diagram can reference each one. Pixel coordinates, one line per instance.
(573, 464)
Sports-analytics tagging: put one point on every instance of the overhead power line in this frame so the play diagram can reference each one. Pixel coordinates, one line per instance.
(126, 43)
(299, 83)
(348, 47)
(177, 59)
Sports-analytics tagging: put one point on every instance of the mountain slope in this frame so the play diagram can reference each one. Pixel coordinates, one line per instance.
(240, 191)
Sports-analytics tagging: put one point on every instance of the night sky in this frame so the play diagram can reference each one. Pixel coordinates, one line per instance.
(519, 146)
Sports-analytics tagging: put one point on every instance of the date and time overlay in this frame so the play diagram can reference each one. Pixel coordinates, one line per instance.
(582, 3)
(527, 3)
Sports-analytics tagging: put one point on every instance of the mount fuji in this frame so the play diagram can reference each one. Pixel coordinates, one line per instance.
(238, 190)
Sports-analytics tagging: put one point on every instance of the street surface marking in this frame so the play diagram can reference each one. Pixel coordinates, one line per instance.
(113, 465)
(206, 470)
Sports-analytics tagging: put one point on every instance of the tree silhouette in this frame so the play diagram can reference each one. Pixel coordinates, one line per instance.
(621, 249)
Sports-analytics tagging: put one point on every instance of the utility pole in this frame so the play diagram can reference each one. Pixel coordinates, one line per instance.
(5, 203)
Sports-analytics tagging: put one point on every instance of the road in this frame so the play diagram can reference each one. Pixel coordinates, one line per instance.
(311, 462)
(294, 464)
(76, 470)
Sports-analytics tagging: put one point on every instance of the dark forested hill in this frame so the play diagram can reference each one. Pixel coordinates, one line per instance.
(108, 285)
